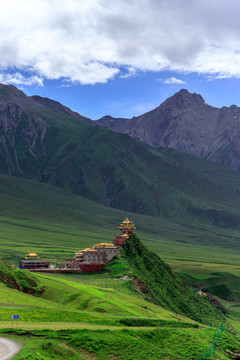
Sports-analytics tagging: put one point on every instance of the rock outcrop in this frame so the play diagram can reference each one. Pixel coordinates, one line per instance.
(24, 122)
(20, 128)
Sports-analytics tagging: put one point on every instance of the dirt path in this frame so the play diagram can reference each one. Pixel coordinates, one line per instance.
(8, 348)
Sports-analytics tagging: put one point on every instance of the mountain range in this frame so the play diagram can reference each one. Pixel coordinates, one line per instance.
(40, 139)
(54, 161)
(185, 122)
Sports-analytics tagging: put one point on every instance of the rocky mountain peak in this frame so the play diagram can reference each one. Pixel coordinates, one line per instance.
(185, 122)
(184, 98)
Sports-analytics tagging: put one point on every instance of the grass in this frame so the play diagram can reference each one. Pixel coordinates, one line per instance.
(50, 216)
(65, 300)
(121, 344)
(106, 300)
(66, 305)
(39, 217)
(88, 317)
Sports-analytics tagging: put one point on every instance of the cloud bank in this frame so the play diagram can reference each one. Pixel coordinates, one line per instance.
(90, 41)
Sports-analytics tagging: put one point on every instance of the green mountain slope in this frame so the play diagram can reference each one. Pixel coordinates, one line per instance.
(160, 284)
(45, 142)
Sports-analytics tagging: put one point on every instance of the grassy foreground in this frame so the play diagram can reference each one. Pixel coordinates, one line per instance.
(98, 317)
(67, 332)
(38, 217)
(121, 344)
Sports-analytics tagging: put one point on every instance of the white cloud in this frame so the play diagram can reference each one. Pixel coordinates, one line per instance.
(130, 73)
(89, 41)
(173, 80)
(19, 79)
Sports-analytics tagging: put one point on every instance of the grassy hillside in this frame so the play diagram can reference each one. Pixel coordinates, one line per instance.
(72, 319)
(19, 280)
(117, 171)
(124, 344)
(158, 282)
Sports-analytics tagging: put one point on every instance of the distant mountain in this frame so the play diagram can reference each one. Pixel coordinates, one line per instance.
(42, 140)
(185, 122)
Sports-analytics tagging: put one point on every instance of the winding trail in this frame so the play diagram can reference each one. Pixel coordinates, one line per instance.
(8, 348)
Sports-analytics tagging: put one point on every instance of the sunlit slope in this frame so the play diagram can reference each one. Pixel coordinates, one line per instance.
(41, 298)
(101, 320)
(72, 318)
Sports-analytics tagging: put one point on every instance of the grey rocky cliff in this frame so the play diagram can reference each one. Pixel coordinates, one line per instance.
(19, 129)
(185, 122)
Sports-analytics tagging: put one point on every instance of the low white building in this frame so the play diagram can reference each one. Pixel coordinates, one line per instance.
(102, 252)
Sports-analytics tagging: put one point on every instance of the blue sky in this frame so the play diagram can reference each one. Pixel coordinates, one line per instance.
(136, 95)
(121, 57)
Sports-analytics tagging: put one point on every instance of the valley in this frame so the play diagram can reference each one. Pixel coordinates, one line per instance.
(55, 223)
(119, 180)
(81, 316)
(65, 185)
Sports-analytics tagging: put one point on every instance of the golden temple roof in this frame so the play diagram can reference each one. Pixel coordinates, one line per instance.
(89, 249)
(32, 256)
(94, 248)
(103, 245)
(127, 224)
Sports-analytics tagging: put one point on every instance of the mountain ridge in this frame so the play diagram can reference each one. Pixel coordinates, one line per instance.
(183, 122)
(186, 123)
(58, 106)
(41, 140)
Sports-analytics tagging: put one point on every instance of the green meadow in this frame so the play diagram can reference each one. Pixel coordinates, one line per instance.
(55, 223)
(100, 320)
(84, 316)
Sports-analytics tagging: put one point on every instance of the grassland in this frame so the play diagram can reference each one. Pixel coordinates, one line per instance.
(54, 223)
(197, 232)
(35, 215)
(122, 344)
(76, 320)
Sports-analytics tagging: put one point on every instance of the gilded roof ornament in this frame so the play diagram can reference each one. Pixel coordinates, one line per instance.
(127, 224)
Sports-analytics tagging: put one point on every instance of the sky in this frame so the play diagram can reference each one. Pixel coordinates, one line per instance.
(121, 57)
